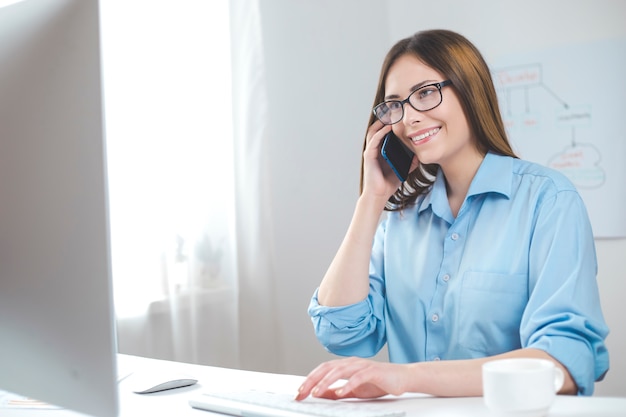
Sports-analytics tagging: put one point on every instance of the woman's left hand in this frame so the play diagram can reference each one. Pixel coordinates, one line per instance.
(365, 379)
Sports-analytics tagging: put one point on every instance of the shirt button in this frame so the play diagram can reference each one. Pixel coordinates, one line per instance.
(454, 236)
(446, 277)
(435, 318)
(436, 358)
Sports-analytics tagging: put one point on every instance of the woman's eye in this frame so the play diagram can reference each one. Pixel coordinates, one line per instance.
(425, 92)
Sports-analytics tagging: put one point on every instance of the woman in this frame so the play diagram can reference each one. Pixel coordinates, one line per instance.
(481, 255)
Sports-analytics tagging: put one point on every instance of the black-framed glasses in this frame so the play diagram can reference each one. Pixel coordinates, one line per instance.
(423, 99)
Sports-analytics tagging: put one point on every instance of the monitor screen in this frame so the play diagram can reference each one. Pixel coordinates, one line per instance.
(57, 335)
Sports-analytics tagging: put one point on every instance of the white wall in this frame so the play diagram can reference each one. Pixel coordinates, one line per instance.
(330, 51)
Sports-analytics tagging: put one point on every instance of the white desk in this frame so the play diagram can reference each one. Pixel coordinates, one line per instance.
(175, 402)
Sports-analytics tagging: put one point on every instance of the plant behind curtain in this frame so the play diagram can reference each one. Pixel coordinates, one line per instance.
(168, 110)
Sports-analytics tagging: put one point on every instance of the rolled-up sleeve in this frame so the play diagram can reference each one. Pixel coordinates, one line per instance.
(563, 316)
(351, 330)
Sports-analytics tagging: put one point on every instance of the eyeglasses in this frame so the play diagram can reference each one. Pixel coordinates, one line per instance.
(423, 99)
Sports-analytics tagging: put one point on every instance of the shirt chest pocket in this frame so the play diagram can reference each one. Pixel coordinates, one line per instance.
(490, 311)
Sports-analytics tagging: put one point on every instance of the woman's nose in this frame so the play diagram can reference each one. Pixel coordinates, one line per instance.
(411, 115)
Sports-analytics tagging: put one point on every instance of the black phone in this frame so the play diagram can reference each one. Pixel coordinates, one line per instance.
(397, 155)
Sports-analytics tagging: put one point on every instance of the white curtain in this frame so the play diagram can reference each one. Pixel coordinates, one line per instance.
(189, 222)
(255, 248)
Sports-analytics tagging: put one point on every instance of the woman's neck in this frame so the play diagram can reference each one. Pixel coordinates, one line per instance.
(459, 176)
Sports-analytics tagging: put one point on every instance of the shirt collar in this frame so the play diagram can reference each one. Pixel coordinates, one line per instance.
(493, 176)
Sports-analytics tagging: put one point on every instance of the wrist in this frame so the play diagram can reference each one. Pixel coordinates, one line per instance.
(373, 202)
(417, 374)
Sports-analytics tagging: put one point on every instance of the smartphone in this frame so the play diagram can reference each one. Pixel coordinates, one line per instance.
(397, 155)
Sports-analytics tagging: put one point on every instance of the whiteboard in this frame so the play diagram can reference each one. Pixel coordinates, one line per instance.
(565, 108)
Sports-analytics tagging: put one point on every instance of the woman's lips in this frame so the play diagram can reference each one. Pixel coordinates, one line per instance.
(431, 132)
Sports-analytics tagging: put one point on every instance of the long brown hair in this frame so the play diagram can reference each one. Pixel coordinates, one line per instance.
(456, 59)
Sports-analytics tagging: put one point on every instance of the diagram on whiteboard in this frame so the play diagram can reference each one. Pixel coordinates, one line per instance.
(580, 161)
(565, 108)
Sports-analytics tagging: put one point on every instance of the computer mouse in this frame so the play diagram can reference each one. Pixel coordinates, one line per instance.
(149, 382)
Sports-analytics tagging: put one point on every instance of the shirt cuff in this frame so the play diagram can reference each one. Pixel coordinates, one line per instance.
(339, 317)
(584, 366)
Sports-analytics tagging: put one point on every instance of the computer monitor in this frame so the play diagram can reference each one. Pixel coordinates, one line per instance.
(57, 336)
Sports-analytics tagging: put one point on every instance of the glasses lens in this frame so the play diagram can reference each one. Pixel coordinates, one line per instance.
(425, 98)
(389, 112)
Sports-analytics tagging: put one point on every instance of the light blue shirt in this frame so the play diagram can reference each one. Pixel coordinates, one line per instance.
(515, 269)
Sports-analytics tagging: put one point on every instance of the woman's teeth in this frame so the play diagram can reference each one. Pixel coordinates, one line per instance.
(424, 135)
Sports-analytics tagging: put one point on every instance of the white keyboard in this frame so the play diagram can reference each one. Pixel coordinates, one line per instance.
(268, 404)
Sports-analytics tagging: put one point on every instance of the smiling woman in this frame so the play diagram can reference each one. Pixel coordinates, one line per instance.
(464, 269)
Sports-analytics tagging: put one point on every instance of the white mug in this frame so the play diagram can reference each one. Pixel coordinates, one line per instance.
(521, 386)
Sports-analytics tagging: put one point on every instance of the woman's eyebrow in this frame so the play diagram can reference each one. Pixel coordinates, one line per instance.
(415, 87)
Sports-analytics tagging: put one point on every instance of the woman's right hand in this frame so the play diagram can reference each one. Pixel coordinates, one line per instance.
(364, 378)
(379, 179)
